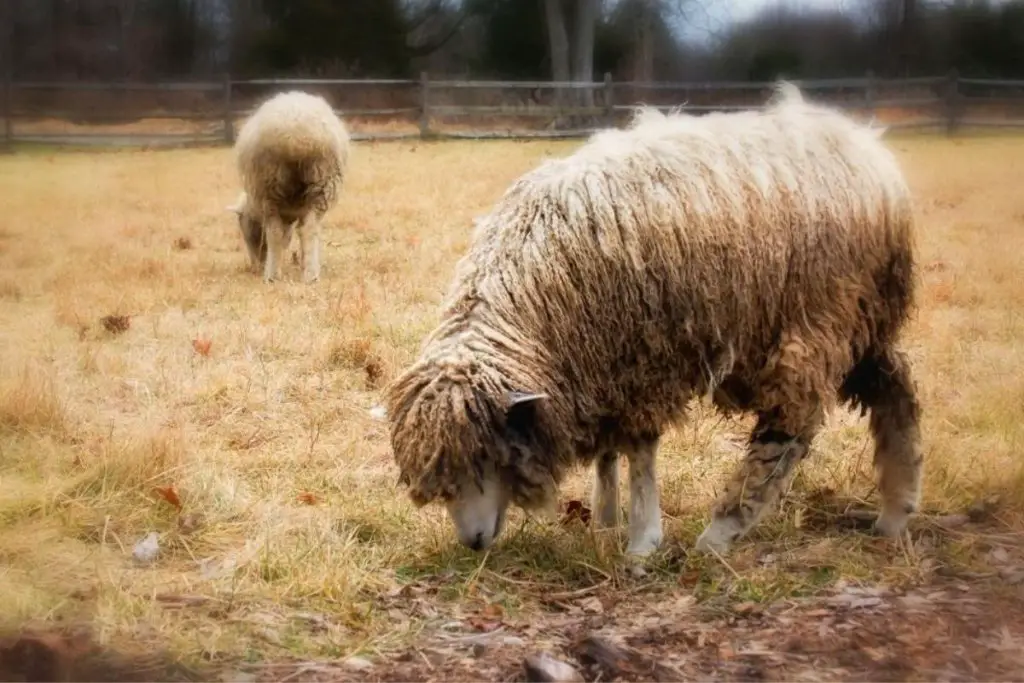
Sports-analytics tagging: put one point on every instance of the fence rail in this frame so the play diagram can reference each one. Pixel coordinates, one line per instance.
(176, 113)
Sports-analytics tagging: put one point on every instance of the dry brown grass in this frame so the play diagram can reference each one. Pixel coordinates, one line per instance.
(248, 405)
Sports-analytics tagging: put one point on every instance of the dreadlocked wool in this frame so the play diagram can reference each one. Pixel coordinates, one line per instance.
(754, 257)
(291, 155)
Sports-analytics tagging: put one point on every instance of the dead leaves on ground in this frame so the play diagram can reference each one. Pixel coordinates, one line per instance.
(169, 494)
(116, 324)
(202, 346)
(489, 619)
(576, 511)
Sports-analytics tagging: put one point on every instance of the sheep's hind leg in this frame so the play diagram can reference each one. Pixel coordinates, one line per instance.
(771, 460)
(644, 501)
(277, 234)
(882, 383)
(309, 242)
(605, 498)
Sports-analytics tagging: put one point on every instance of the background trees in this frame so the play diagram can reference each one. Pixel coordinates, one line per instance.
(536, 39)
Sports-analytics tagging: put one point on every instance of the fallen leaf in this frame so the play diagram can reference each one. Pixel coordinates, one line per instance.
(999, 555)
(116, 324)
(173, 600)
(575, 509)
(357, 664)
(484, 625)
(1012, 576)
(307, 498)
(202, 346)
(592, 604)
(492, 610)
(170, 495)
(690, 578)
(952, 521)
(189, 523)
(746, 608)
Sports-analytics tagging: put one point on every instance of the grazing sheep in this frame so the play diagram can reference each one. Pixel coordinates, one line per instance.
(763, 258)
(291, 154)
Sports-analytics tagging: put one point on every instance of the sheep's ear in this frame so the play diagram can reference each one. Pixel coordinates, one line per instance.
(521, 414)
(517, 397)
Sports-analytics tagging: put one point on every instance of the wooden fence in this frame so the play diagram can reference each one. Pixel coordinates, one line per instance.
(149, 114)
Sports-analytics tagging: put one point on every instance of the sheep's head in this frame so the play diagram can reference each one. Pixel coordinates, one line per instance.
(250, 226)
(473, 445)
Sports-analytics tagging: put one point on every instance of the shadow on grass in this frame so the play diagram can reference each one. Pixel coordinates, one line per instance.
(74, 657)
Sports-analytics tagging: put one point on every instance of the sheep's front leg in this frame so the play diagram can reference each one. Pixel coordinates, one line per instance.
(309, 242)
(605, 498)
(277, 234)
(644, 503)
(756, 487)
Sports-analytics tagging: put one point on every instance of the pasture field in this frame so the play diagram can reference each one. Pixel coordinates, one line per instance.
(231, 418)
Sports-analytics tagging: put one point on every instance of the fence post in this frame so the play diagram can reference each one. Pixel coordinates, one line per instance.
(424, 105)
(8, 76)
(229, 124)
(609, 106)
(952, 104)
(869, 94)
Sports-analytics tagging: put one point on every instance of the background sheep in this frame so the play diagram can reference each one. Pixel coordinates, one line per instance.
(291, 155)
(762, 258)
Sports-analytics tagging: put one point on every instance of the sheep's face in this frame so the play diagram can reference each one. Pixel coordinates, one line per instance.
(251, 228)
(252, 233)
(476, 453)
(478, 511)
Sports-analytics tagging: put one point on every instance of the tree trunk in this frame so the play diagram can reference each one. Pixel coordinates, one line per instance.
(907, 31)
(583, 57)
(643, 56)
(558, 43)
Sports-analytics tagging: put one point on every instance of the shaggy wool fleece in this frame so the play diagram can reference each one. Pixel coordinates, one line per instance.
(291, 155)
(755, 257)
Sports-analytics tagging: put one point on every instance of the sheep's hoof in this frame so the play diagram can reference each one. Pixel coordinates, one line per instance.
(892, 523)
(638, 554)
(635, 564)
(636, 570)
(718, 536)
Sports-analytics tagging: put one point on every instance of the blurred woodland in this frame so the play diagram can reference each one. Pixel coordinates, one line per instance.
(634, 40)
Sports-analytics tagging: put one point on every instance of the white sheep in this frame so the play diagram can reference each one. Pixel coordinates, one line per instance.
(292, 155)
(764, 258)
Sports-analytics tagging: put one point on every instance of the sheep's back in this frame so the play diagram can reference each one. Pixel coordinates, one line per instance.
(667, 257)
(292, 153)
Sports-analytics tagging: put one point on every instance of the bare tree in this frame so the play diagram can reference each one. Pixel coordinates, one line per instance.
(583, 53)
(558, 41)
(572, 61)
(643, 47)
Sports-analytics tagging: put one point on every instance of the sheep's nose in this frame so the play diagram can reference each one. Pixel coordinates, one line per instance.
(478, 541)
